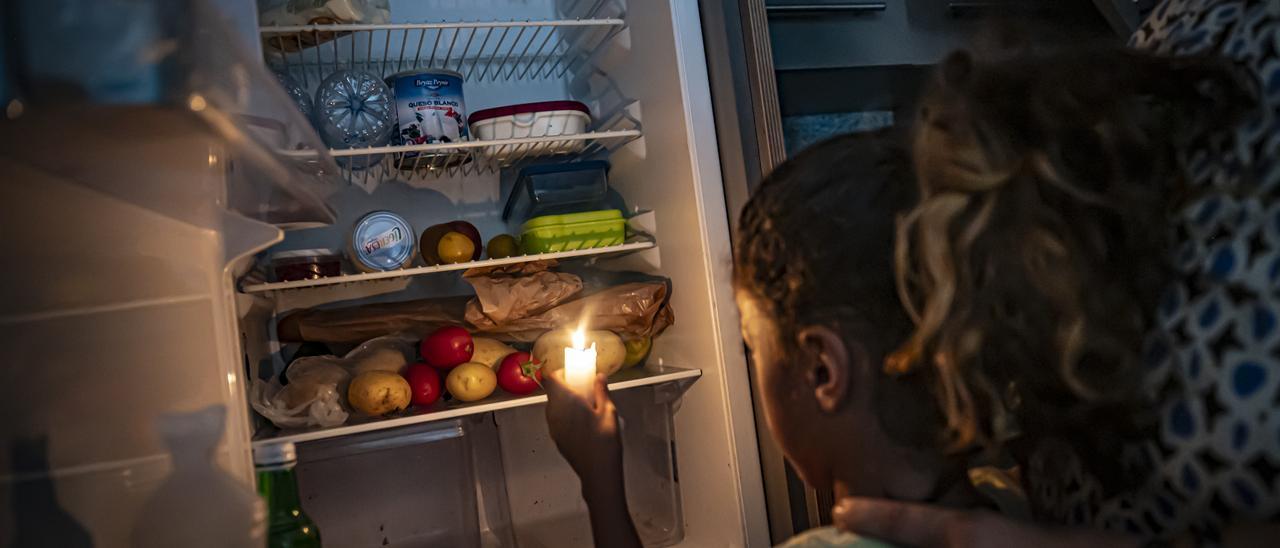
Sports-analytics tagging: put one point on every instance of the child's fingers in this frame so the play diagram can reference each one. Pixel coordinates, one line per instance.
(600, 392)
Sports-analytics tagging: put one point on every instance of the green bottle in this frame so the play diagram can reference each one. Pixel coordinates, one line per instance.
(287, 525)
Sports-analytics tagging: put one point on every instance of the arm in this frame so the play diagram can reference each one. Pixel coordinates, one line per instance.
(586, 431)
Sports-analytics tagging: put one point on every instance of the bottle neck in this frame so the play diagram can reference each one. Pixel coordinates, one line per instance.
(278, 486)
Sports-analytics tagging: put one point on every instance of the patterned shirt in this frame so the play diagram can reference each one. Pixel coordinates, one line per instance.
(1214, 357)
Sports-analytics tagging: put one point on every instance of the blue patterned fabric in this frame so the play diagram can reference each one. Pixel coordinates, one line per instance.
(1214, 358)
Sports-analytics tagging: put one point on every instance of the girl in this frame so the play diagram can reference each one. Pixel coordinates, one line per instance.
(815, 287)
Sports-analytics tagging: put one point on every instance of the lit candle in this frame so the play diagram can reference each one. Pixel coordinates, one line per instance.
(580, 364)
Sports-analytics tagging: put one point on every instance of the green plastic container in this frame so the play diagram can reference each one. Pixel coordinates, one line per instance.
(589, 229)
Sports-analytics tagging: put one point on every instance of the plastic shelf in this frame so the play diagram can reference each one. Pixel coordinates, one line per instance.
(623, 380)
(422, 270)
(481, 51)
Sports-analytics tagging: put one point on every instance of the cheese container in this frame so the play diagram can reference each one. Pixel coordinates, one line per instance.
(381, 241)
(544, 119)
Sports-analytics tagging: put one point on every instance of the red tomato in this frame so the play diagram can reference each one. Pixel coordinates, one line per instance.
(424, 384)
(519, 373)
(447, 348)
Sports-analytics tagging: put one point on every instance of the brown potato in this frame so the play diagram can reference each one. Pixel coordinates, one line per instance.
(377, 393)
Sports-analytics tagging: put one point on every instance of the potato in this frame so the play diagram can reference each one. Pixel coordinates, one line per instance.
(389, 359)
(489, 351)
(610, 352)
(378, 393)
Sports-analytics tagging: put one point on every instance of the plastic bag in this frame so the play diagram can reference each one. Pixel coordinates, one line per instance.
(512, 292)
(316, 393)
(633, 310)
(323, 12)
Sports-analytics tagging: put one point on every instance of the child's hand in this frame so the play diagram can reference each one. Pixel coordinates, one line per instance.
(585, 429)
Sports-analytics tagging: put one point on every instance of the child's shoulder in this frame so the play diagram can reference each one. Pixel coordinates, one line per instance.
(830, 537)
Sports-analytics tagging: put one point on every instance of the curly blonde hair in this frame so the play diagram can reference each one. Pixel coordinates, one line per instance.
(1033, 261)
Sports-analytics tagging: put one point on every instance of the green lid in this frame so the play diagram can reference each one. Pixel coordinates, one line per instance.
(572, 219)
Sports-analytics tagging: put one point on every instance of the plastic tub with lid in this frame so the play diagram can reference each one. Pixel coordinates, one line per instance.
(543, 119)
(558, 188)
(586, 230)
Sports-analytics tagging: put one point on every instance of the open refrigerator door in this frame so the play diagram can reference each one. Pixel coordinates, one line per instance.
(146, 157)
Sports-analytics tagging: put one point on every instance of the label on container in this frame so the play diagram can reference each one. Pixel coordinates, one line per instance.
(382, 241)
(429, 107)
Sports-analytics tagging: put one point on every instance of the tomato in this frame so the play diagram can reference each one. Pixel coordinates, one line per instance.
(424, 384)
(519, 373)
(447, 347)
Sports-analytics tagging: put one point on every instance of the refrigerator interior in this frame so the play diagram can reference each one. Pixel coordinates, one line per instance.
(486, 473)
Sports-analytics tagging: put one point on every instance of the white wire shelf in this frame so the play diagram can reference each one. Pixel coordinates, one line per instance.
(417, 162)
(630, 378)
(482, 51)
(423, 270)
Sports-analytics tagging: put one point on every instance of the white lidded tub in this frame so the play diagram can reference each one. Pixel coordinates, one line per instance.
(544, 119)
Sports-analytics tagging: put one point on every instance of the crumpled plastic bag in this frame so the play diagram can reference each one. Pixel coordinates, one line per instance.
(632, 310)
(317, 12)
(323, 12)
(316, 393)
(512, 292)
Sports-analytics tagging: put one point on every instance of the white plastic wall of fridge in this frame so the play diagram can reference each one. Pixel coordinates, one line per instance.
(412, 487)
(199, 505)
(545, 495)
(677, 174)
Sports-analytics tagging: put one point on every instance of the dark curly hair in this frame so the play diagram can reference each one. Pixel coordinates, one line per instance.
(815, 246)
(1033, 262)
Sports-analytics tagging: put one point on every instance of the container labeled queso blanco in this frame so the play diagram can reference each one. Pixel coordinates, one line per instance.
(382, 241)
(429, 107)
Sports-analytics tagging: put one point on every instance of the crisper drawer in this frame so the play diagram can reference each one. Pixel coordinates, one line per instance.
(406, 487)
(547, 510)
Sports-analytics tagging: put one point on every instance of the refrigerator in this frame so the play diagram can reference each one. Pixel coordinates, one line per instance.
(154, 162)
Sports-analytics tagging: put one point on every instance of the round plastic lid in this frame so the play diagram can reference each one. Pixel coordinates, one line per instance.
(524, 108)
(275, 453)
(383, 240)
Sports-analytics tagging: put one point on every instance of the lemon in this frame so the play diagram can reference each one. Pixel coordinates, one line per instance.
(503, 245)
(637, 349)
(455, 247)
(471, 381)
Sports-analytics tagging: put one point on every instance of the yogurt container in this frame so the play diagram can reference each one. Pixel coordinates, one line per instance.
(381, 241)
(429, 107)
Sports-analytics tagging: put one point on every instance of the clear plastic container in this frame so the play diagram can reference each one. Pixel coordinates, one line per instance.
(413, 486)
(558, 189)
(586, 230)
(306, 264)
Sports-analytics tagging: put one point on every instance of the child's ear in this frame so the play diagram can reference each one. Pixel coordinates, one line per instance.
(832, 366)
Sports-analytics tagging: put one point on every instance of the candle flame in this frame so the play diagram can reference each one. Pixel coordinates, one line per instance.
(579, 340)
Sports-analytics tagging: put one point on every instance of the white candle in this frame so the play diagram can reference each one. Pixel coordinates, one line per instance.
(580, 364)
